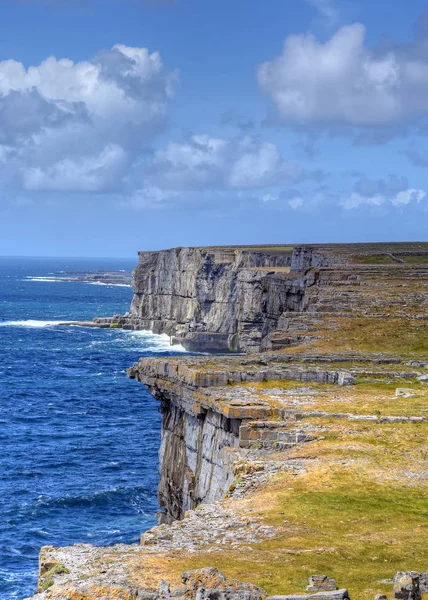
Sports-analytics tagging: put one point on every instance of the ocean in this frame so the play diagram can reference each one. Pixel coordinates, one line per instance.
(78, 439)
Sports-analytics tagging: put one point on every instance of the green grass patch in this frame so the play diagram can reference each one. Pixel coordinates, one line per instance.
(47, 581)
(334, 522)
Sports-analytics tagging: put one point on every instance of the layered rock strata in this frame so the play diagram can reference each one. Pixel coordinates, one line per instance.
(244, 300)
(203, 421)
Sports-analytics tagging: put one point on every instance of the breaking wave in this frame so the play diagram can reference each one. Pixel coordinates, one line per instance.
(67, 280)
(46, 279)
(127, 285)
(153, 342)
(30, 323)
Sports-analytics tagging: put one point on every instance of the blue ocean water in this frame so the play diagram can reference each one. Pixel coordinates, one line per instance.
(78, 440)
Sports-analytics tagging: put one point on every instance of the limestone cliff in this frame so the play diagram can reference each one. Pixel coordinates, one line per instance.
(308, 455)
(241, 299)
(203, 427)
(208, 299)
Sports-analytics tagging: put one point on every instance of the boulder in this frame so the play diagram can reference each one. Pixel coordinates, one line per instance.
(407, 586)
(321, 583)
(211, 584)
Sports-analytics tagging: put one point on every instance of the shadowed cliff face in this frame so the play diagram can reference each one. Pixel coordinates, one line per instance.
(209, 299)
(196, 465)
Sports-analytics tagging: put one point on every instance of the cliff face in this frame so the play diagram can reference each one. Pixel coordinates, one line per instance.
(207, 299)
(206, 424)
(195, 458)
(240, 300)
(248, 300)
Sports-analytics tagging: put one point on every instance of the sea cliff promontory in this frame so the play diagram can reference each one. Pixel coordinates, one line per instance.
(297, 447)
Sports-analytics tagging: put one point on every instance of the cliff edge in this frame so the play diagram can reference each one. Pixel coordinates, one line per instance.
(305, 455)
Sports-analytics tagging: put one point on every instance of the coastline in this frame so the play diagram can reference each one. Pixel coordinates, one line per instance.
(254, 445)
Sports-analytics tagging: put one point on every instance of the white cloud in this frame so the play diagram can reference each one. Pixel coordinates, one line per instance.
(355, 200)
(407, 196)
(269, 198)
(121, 82)
(206, 168)
(89, 174)
(342, 82)
(149, 197)
(296, 202)
(404, 197)
(77, 126)
(205, 162)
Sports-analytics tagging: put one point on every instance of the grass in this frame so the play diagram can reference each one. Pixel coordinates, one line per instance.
(385, 259)
(414, 260)
(275, 250)
(373, 259)
(358, 513)
(354, 515)
(47, 581)
(96, 593)
(365, 398)
(355, 530)
(390, 335)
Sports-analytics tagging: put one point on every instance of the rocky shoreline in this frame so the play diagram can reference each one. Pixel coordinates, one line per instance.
(264, 455)
(121, 278)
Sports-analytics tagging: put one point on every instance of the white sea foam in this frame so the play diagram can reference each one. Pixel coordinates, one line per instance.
(109, 284)
(29, 323)
(155, 342)
(45, 279)
(67, 280)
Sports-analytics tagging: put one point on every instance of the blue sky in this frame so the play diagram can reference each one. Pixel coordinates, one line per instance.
(149, 124)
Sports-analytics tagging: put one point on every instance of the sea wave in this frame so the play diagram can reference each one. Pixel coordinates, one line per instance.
(127, 285)
(154, 342)
(45, 279)
(30, 323)
(67, 280)
(122, 494)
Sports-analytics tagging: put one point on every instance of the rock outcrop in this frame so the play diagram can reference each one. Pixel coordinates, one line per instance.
(204, 422)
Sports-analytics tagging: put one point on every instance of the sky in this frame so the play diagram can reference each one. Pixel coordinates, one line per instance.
(146, 124)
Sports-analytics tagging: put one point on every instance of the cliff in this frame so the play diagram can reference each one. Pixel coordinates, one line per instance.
(248, 300)
(207, 299)
(307, 457)
(204, 422)
(272, 469)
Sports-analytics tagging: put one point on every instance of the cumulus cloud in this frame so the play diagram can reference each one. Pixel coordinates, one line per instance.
(270, 198)
(205, 162)
(394, 191)
(343, 83)
(75, 126)
(296, 202)
(384, 187)
(388, 194)
(91, 173)
(149, 197)
(204, 166)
